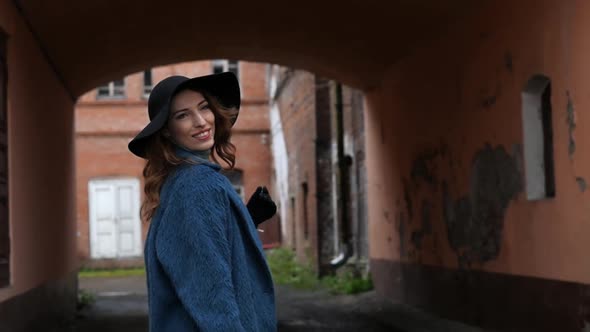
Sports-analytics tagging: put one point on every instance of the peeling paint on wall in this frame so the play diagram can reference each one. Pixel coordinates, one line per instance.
(508, 62)
(423, 168)
(488, 101)
(571, 124)
(475, 221)
(426, 215)
(426, 227)
(581, 183)
(517, 153)
(408, 199)
(423, 175)
(401, 229)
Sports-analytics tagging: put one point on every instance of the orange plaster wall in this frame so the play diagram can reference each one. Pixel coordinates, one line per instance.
(461, 92)
(41, 163)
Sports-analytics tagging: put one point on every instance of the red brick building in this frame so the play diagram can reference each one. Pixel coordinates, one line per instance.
(318, 133)
(109, 181)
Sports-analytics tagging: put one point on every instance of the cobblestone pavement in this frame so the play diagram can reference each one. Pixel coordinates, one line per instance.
(121, 305)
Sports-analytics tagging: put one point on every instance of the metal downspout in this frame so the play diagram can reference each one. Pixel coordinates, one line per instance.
(344, 165)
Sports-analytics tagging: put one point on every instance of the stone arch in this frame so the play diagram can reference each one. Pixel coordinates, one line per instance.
(91, 42)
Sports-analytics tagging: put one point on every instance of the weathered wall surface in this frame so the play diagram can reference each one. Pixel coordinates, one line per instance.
(448, 208)
(40, 183)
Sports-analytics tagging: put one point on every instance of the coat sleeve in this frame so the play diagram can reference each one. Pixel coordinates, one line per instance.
(194, 251)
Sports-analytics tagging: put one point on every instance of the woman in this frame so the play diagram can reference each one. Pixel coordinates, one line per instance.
(206, 270)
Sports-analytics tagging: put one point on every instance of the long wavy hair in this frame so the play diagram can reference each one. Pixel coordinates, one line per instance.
(161, 157)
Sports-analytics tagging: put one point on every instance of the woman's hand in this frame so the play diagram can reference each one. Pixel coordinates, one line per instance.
(261, 206)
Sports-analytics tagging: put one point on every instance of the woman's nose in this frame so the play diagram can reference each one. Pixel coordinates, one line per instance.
(199, 121)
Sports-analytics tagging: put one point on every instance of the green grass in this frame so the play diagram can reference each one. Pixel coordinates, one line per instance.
(94, 273)
(347, 283)
(287, 271)
(85, 299)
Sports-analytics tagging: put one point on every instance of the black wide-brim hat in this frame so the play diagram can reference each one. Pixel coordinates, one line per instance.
(224, 87)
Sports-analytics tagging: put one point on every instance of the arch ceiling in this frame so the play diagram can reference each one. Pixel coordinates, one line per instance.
(93, 41)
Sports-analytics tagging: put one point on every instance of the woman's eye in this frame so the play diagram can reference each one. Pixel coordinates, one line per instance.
(205, 107)
(181, 116)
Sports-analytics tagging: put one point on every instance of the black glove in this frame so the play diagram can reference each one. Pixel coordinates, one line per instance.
(261, 206)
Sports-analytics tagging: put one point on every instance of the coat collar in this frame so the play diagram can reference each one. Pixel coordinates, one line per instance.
(196, 156)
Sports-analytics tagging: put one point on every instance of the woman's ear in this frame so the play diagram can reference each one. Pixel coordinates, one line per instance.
(166, 133)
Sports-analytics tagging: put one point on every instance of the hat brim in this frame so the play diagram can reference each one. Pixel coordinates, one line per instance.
(138, 144)
(224, 87)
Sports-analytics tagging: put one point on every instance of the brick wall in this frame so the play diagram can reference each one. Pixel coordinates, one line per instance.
(307, 107)
(296, 104)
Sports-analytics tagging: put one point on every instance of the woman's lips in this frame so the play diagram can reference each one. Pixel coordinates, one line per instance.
(204, 135)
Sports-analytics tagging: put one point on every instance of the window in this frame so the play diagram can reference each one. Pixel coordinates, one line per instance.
(221, 65)
(4, 222)
(114, 89)
(147, 83)
(538, 138)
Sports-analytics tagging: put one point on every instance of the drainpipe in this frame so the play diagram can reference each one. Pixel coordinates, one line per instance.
(344, 165)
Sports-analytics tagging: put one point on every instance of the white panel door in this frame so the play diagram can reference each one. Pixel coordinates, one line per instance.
(115, 227)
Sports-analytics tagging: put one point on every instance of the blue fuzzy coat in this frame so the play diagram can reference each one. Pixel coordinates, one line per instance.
(206, 269)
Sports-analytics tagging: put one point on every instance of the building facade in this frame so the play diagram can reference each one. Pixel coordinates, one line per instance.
(109, 181)
(320, 178)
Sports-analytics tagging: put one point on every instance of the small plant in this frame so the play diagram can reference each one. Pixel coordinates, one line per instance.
(287, 271)
(348, 283)
(85, 299)
(93, 273)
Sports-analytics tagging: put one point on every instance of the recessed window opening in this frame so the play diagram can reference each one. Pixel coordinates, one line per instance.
(538, 138)
(147, 83)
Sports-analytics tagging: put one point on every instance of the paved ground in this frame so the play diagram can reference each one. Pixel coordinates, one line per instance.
(121, 305)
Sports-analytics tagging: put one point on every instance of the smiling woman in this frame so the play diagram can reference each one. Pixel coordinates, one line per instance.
(205, 267)
(192, 122)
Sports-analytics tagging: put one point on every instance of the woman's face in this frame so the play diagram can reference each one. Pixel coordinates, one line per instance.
(191, 123)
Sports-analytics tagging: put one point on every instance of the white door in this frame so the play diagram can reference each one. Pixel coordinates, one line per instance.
(115, 227)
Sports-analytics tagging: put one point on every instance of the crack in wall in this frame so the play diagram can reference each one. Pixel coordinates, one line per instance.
(571, 125)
